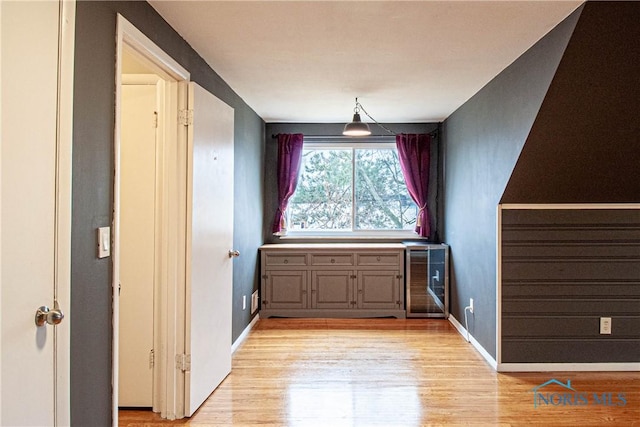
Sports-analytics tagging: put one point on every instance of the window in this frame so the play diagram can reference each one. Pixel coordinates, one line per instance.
(351, 187)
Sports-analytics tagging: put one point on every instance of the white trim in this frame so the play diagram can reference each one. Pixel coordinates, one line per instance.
(245, 334)
(484, 353)
(63, 207)
(171, 294)
(499, 284)
(148, 52)
(350, 235)
(1, 285)
(568, 367)
(572, 206)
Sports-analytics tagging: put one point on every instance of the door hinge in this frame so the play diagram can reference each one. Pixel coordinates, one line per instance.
(155, 119)
(185, 117)
(183, 362)
(152, 359)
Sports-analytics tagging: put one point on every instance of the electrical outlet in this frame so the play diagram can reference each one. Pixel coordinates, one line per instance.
(605, 325)
(471, 305)
(244, 302)
(254, 302)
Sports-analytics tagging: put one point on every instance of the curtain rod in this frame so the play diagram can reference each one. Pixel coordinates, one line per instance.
(354, 138)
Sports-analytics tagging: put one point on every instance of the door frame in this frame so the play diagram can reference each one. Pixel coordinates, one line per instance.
(62, 289)
(171, 208)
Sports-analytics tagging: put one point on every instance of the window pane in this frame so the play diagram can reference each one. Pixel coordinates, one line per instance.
(323, 197)
(382, 200)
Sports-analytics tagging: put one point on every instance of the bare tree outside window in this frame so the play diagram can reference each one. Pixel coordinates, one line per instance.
(351, 189)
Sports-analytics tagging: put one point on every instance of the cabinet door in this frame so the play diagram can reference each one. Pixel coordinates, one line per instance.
(378, 289)
(332, 289)
(285, 289)
(437, 277)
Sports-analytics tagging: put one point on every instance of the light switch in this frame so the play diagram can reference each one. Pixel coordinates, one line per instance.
(104, 242)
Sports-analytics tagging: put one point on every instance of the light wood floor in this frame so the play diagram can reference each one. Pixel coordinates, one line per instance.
(388, 372)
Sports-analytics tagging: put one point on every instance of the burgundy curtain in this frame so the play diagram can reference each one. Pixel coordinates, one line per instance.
(289, 160)
(413, 152)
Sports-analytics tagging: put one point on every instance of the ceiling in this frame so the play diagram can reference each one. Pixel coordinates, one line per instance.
(307, 61)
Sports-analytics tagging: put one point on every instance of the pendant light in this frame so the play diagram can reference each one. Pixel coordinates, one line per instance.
(357, 127)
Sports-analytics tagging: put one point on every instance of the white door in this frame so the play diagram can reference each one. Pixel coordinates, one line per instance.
(137, 243)
(209, 240)
(37, 78)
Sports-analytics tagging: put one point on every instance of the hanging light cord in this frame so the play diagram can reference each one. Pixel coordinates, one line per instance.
(360, 107)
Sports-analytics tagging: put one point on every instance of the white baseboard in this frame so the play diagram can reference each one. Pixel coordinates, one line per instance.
(243, 336)
(484, 353)
(568, 367)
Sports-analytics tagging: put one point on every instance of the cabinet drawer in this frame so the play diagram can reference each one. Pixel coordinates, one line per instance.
(331, 259)
(389, 259)
(285, 259)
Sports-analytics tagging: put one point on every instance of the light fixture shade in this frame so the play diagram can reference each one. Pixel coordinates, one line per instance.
(356, 127)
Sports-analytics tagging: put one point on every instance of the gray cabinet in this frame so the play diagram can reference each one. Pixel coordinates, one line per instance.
(379, 289)
(332, 289)
(286, 289)
(332, 280)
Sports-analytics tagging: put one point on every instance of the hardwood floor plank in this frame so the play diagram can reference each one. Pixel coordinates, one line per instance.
(392, 372)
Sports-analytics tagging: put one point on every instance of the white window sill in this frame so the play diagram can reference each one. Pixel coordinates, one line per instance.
(380, 235)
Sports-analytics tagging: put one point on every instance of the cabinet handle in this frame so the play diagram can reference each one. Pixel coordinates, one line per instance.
(264, 276)
(286, 261)
(333, 261)
(265, 302)
(378, 258)
(399, 276)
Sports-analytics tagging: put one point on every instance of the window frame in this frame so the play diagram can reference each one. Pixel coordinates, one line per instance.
(342, 144)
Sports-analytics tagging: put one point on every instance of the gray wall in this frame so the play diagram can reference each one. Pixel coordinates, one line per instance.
(335, 129)
(583, 146)
(559, 125)
(561, 271)
(482, 141)
(94, 101)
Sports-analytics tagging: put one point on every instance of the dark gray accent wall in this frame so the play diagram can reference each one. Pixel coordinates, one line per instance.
(562, 270)
(93, 168)
(335, 129)
(583, 146)
(482, 141)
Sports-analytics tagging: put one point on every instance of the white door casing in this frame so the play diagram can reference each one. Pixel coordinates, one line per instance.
(139, 118)
(192, 316)
(209, 265)
(170, 223)
(37, 96)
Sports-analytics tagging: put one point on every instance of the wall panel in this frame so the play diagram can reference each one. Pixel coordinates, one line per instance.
(563, 269)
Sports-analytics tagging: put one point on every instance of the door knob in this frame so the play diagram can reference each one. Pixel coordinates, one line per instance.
(46, 315)
(234, 254)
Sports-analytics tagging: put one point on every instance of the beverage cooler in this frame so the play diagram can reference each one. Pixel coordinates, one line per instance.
(427, 279)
